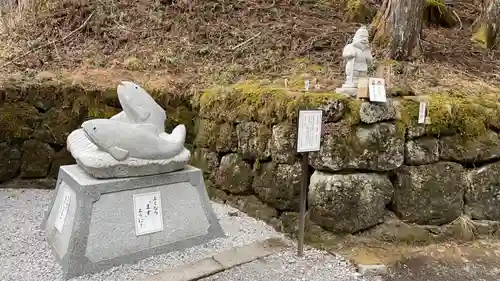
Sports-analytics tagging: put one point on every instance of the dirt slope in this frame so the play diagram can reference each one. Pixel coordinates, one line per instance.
(204, 42)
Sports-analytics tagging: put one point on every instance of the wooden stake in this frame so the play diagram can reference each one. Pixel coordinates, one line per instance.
(303, 202)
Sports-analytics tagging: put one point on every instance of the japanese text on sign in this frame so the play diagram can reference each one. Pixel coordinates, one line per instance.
(376, 88)
(309, 130)
(63, 210)
(148, 214)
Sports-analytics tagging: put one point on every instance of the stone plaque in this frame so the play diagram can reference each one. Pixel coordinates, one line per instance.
(63, 210)
(148, 213)
(101, 216)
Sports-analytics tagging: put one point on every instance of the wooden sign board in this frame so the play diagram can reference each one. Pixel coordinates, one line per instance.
(385, 72)
(309, 130)
(362, 91)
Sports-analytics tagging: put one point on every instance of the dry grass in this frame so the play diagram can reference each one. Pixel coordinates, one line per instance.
(194, 44)
(464, 228)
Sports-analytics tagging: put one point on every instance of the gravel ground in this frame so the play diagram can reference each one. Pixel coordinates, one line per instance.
(286, 266)
(25, 254)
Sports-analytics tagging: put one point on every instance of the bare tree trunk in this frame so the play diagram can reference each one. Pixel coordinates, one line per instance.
(398, 25)
(487, 29)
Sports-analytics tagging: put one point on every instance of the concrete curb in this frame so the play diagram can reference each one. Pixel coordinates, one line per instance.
(220, 262)
(372, 269)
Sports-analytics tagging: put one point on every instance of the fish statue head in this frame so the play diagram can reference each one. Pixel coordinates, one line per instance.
(100, 131)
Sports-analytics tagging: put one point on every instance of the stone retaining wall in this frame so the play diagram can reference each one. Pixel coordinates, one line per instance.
(373, 175)
(35, 121)
(377, 178)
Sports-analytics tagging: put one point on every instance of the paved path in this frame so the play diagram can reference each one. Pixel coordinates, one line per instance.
(286, 266)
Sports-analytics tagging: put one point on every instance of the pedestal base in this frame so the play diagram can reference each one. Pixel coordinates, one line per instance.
(348, 91)
(93, 224)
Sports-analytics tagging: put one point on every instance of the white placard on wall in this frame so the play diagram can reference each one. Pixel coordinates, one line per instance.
(309, 130)
(63, 210)
(422, 112)
(148, 213)
(376, 88)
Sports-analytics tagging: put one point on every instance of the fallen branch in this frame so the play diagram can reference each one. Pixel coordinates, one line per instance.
(53, 42)
(459, 20)
(241, 44)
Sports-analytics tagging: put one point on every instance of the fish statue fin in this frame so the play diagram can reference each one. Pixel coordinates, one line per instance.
(120, 117)
(148, 127)
(178, 133)
(142, 114)
(118, 153)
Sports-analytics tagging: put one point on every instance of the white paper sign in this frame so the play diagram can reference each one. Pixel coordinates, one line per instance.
(376, 88)
(147, 212)
(309, 130)
(422, 112)
(63, 210)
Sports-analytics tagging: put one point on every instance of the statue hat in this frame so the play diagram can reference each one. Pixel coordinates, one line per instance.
(361, 33)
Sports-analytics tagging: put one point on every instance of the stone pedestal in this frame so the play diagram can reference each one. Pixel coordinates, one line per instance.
(93, 224)
(347, 90)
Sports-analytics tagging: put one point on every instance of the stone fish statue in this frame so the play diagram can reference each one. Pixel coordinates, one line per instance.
(358, 57)
(131, 143)
(138, 106)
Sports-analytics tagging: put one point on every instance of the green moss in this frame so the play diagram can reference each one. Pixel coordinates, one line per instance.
(18, 120)
(207, 134)
(315, 67)
(300, 60)
(480, 35)
(435, 3)
(454, 114)
(359, 11)
(220, 137)
(484, 35)
(268, 103)
(352, 116)
(92, 105)
(352, 6)
(437, 12)
(101, 111)
(253, 101)
(41, 92)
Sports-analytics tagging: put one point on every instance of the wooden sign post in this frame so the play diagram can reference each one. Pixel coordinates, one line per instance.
(422, 112)
(308, 140)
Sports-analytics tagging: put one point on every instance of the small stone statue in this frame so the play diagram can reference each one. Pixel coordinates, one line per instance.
(131, 143)
(358, 57)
